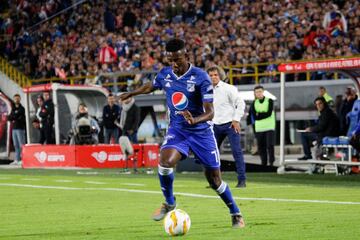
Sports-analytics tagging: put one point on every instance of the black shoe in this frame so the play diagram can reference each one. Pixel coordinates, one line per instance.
(241, 184)
(305, 158)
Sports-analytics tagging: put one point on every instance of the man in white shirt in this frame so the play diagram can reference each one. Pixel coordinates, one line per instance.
(229, 107)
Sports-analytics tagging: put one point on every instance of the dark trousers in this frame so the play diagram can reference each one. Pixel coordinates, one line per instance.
(47, 134)
(225, 130)
(266, 142)
(132, 137)
(306, 140)
(111, 132)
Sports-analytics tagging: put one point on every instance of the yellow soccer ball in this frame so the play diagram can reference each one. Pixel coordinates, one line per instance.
(177, 223)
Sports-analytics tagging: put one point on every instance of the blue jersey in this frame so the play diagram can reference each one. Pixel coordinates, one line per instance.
(187, 92)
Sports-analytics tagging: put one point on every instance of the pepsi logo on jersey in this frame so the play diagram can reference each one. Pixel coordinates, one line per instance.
(179, 100)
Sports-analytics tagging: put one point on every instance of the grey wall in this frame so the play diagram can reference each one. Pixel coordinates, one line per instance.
(303, 93)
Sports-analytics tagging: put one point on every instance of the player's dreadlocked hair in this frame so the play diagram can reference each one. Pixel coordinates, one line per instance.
(175, 45)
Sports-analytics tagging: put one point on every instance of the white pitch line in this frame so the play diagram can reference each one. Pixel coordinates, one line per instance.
(87, 173)
(265, 187)
(92, 182)
(30, 179)
(178, 193)
(133, 184)
(63, 181)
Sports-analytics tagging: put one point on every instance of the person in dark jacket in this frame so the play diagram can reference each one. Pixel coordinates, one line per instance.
(328, 125)
(355, 138)
(111, 113)
(109, 20)
(129, 119)
(346, 107)
(47, 118)
(17, 118)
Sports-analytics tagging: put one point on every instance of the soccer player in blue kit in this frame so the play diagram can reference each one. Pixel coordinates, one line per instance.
(189, 97)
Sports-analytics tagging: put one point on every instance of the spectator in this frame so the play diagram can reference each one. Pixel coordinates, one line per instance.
(111, 113)
(346, 107)
(245, 31)
(91, 79)
(262, 110)
(334, 19)
(37, 122)
(338, 104)
(107, 54)
(17, 118)
(85, 128)
(323, 93)
(336, 26)
(129, 18)
(228, 109)
(109, 20)
(129, 119)
(355, 138)
(328, 125)
(49, 70)
(47, 118)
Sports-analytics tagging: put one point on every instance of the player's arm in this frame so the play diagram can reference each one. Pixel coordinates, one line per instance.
(206, 116)
(144, 89)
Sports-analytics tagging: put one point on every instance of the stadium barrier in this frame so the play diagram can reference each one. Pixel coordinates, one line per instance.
(252, 73)
(88, 156)
(14, 74)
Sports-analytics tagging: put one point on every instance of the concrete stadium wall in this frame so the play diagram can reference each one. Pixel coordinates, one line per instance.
(300, 95)
(9, 87)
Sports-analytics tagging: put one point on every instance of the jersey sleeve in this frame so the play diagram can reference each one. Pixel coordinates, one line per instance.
(157, 82)
(206, 89)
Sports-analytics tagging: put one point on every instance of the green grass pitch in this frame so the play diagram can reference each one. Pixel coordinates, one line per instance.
(103, 204)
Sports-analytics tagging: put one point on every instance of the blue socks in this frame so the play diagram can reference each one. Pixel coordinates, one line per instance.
(225, 194)
(166, 176)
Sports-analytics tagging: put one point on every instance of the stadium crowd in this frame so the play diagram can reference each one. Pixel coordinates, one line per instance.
(99, 37)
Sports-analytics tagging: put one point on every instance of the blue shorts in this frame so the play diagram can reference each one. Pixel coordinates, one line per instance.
(202, 144)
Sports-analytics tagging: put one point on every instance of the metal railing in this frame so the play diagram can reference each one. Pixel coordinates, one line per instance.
(255, 72)
(14, 74)
(237, 74)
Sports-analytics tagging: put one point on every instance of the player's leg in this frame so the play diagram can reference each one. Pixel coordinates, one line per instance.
(173, 149)
(220, 133)
(168, 159)
(213, 176)
(205, 148)
(234, 139)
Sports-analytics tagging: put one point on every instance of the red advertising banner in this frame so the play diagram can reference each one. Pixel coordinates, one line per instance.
(88, 156)
(105, 156)
(150, 154)
(320, 65)
(39, 156)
